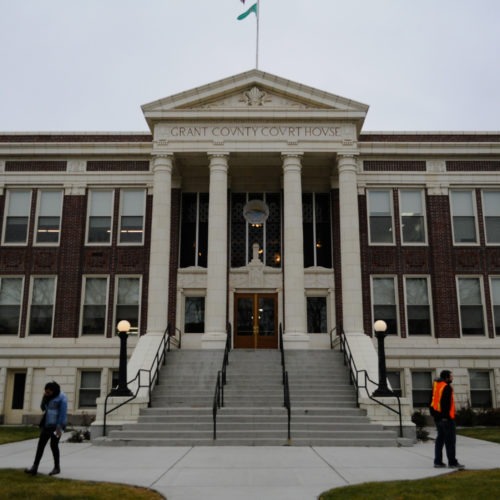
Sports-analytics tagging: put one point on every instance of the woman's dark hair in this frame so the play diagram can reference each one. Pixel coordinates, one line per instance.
(54, 387)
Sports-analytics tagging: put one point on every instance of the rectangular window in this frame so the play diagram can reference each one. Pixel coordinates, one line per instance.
(11, 290)
(380, 217)
(90, 389)
(495, 300)
(491, 213)
(480, 389)
(317, 230)
(266, 234)
(412, 213)
(17, 216)
(94, 306)
(100, 216)
(384, 302)
(42, 306)
(194, 315)
(418, 311)
(471, 306)
(421, 389)
(394, 379)
(48, 225)
(132, 211)
(194, 230)
(128, 299)
(316, 315)
(464, 217)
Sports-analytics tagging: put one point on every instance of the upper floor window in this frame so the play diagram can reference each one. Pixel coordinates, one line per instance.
(495, 300)
(384, 302)
(317, 230)
(464, 217)
(100, 216)
(491, 213)
(48, 221)
(128, 300)
(194, 230)
(418, 310)
(132, 210)
(470, 301)
(412, 213)
(256, 219)
(380, 216)
(41, 314)
(94, 308)
(17, 216)
(11, 289)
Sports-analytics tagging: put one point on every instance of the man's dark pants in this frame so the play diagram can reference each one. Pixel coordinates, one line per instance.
(447, 436)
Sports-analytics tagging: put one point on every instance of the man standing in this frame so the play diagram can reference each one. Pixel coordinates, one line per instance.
(54, 405)
(443, 410)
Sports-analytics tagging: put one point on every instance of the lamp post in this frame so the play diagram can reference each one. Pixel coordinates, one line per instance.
(380, 328)
(123, 328)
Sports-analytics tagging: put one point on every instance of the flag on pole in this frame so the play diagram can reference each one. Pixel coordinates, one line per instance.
(253, 9)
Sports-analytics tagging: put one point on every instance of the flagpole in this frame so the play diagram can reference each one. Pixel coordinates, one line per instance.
(257, 44)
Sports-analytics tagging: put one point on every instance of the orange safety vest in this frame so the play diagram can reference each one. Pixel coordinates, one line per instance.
(437, 392)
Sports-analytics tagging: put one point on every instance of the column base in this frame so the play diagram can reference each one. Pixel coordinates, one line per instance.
(214, 340)
(295, 340)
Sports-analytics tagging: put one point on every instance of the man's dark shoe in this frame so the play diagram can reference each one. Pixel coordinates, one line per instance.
(32, 472)
(439, 466)
(54, 471)
(457, 466)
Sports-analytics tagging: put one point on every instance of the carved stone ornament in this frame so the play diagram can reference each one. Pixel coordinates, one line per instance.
(255, 96)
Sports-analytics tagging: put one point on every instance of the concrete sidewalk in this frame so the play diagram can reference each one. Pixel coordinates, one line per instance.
(247, 473)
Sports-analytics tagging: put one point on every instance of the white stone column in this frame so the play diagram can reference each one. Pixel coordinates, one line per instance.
(216, 299)
(295, 334)
(352, 299)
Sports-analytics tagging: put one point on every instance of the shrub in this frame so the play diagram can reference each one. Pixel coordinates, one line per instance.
(466, 417)
(420, 420)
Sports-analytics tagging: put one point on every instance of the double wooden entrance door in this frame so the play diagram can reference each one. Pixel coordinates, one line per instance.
(256, 320)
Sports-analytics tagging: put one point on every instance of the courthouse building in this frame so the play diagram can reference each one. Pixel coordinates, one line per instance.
(253, 201)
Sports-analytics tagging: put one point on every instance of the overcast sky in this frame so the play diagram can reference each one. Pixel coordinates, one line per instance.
(88, 65)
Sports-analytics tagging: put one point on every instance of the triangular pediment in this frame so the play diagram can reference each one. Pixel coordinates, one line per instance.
(252, 92)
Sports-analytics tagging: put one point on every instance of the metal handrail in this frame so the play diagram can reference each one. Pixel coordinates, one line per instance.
(153, 376)
(286, 387)
(355, 380)
(221, 381)
(331, 336)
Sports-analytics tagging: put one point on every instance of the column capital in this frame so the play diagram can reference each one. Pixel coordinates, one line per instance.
(346, 162)
(163, 162)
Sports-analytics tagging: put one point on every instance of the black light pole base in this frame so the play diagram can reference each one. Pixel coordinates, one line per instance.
(382, 390)
(122, 389)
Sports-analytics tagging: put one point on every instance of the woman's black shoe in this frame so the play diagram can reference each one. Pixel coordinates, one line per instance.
(33, 471)
(54, 471)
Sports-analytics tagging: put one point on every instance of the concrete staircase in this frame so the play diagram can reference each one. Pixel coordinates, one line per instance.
(324, 411)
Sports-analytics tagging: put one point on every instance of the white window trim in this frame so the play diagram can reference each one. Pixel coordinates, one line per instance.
(82, 304)
(79, 386)
(7, 276)
(491, 378)
(30, 299)
(429, 296)
(490, 279)
(484, 218)
(396, 299)
(37, 215)
(326, 294)
(115, 301)
(474, 213)
(129, 244)
(391, 201)
(483, 303)
(87, 221)
(424, 215)
(6, 214)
